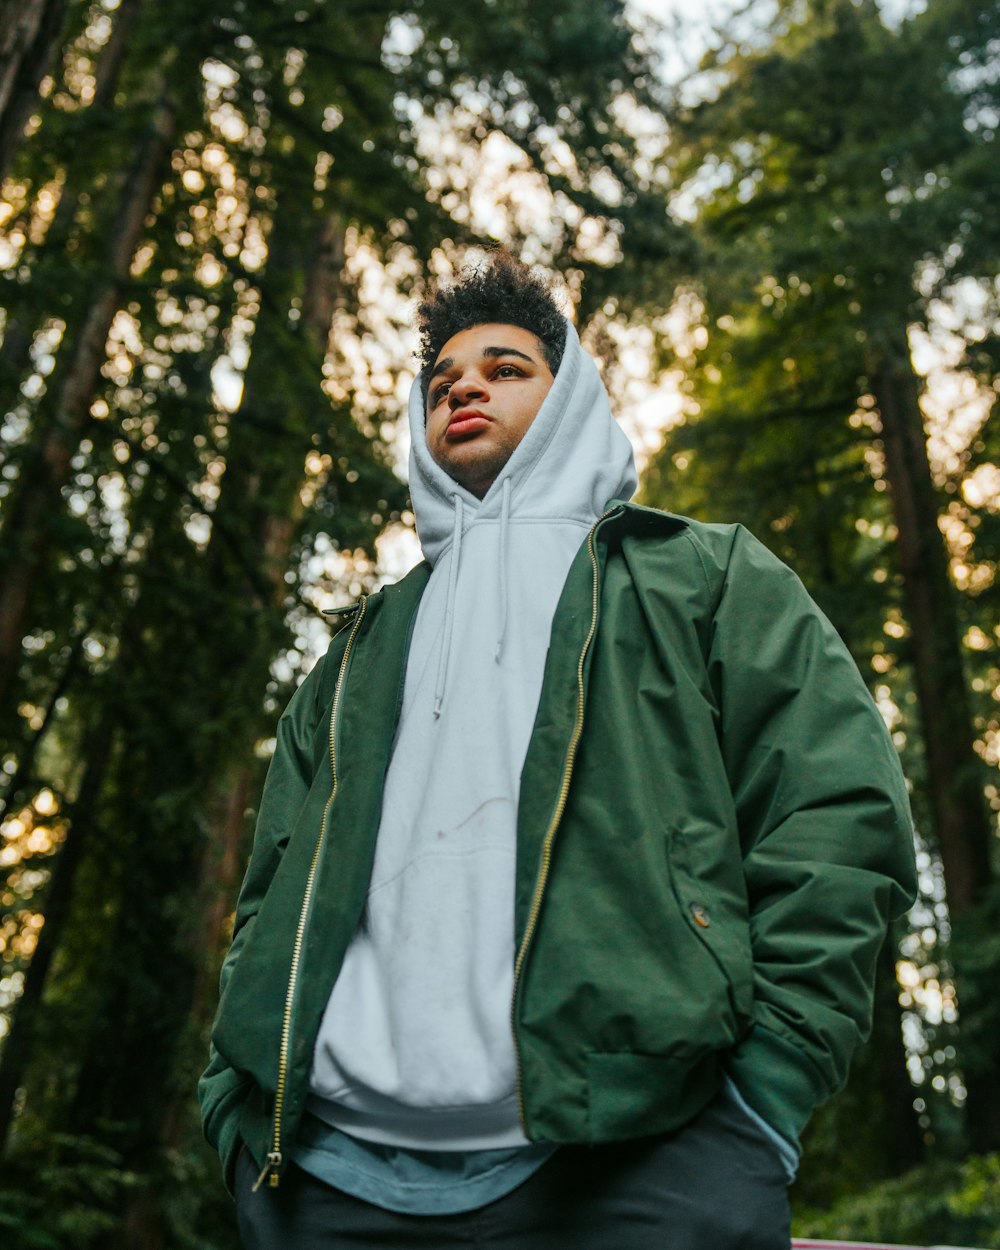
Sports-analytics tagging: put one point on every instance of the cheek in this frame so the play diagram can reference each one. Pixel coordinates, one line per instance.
(433, 427)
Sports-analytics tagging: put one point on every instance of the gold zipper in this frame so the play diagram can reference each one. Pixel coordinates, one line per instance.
(546, 859)
(274, 1156)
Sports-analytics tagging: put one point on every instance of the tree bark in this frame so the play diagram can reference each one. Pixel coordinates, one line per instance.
(29, 36)
(261, 482)
(900, 1138)
(904, 1144)
(143, 1223)
(958, 806)
(324, 279)
(37, 497)
(18, 331)
(953, 769)
(220, 869)
(267, 505)
(15, 786)
(57, 901)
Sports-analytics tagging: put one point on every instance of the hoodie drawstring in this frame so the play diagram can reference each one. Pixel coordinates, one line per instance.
(449, 607)
(504, 551)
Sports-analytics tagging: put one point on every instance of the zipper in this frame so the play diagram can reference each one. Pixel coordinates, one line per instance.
(274, 1156)
(557, 814)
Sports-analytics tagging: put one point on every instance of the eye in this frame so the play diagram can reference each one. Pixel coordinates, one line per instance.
(508, 371)
(439, 392)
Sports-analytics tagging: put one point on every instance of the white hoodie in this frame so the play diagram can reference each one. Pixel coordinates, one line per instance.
(415, 1048)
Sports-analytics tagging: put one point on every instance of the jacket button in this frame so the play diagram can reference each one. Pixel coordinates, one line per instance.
(700, 916)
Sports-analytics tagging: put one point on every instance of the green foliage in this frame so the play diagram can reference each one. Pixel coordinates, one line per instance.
(209, 191)
(944, 1203)
(840, 175)
(60, 1192)
(834, 168)
(975, 948)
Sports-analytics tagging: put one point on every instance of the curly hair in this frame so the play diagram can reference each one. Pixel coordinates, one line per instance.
(502, 290)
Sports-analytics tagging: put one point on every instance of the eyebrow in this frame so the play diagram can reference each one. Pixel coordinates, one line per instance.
(488, 352)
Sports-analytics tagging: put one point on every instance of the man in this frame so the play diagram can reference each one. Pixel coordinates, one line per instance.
(573, 860)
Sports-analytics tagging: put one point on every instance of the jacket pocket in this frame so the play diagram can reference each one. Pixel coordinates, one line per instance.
(716, 918)
(634, 1095)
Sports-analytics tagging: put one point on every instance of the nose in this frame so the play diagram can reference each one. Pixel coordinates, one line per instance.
(464, 389)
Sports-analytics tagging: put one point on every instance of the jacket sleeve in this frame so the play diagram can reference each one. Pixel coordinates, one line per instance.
(222, 1089)
(825, 831)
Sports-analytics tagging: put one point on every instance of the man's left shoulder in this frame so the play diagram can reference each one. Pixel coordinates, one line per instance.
(641, 518)
(714, 541)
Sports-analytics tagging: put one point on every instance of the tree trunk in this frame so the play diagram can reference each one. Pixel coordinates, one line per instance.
(37, 497)
(14, 787)
(143, 1223)
(57, 901)
(904, 1144)
(262, 481)
(266, 506)
(220, 870)
(958, 806)
(323, 279)
(29, 36)
(18, 331)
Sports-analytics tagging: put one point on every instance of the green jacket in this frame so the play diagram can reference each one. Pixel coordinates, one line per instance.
(713, 832)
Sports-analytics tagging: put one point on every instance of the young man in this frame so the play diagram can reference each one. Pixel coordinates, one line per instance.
(573, 861)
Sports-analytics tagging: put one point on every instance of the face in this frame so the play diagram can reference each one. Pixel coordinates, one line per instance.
(486, 386)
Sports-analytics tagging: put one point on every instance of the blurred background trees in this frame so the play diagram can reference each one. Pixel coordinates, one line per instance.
(213, 222)
(836, 170)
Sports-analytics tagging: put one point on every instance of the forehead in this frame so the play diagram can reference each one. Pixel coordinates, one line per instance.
(485, 339)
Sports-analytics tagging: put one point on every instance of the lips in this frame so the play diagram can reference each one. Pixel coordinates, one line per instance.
(466, 421)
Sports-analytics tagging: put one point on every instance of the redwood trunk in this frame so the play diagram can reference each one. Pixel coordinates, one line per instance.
(37, 499)
(961, 824)
(29, 36)
(143, 1223)
(57, 901)
(904, 1144)
(269, 507)
(18, 331)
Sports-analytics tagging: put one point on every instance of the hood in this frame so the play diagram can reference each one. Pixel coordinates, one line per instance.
(572, 460)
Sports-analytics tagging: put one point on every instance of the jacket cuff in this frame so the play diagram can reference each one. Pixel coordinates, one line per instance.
(777, 1080)
(221, 1108)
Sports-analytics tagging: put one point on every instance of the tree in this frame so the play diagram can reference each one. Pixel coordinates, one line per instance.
(185, 442)
(836, 170)
(28, 41)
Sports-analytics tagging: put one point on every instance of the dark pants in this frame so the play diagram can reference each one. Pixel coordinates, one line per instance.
(717, 1184)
